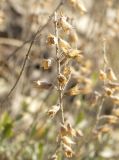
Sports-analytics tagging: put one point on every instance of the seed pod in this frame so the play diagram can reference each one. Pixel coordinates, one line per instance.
(64, 45)
(104, 129)
(46, 64)
(51, 40)
(66, 140)
(63, 130)
(73, 53)
(102, 75)
(79, 133)
(54, 109)
(62, 80)
(73, 91)
(70, 130)
(43, 85)
(110, 74)
(64, 24)
(108, 91)
(67, 71)
(68, 151)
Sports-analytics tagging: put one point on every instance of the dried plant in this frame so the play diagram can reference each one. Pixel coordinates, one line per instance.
(71, 98)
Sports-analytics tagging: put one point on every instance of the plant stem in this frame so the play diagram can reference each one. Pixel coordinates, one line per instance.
(58, 69)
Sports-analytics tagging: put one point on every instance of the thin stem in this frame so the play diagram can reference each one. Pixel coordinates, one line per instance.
(104, 69)
(58, 69)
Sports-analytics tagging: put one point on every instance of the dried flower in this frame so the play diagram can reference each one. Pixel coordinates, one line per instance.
(64, 24)
(54, 109)
(62, 79)
(102, 75)
(108, 91)
(64, 45)
(73, 53)
(66, 71)
(70, 130)
(68, 151)
(104, 129)
(110, 74)
(51, 40)
(66, 140)
(63, 130)
(46, 63)
(79, 133)
(73, 91)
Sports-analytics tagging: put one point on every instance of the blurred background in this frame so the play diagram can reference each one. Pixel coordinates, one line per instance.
(26, 131)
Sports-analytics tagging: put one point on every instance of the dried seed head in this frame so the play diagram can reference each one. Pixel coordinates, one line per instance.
(74, 53)
(79, 133)
(104, 129)
(46, 64)
(70, 130)
(79, 90)
(51, 40)
(63, 130)
(64, 45)
(54, 109)
(62, 80)
(108, 91)
(73, 91)
(68, 151)
(102, 75)
(42, 85)
(66, 140)
(64, 24)
(67, 71)
(110, 74)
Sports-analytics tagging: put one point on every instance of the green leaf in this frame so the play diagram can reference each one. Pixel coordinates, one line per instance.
(80, 117)
(40, 151)
(6, 126)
